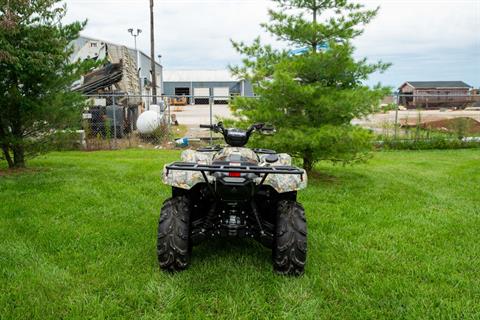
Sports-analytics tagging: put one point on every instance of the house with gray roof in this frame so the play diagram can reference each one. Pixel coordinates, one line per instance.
(434, 94)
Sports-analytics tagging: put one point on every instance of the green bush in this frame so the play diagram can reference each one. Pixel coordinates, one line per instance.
(65, 140)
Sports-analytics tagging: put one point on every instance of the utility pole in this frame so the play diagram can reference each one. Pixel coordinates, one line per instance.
(315, 42)
(135, 35)
(152, 55)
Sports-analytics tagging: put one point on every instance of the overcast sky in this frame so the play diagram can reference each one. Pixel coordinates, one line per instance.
(424, 39)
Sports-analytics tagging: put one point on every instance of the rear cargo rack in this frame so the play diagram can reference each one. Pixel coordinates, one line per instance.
(210, 168)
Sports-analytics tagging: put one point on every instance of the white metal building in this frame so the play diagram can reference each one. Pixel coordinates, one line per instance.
(198, 85)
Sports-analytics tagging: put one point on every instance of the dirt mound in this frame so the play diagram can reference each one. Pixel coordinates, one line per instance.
(464, 124)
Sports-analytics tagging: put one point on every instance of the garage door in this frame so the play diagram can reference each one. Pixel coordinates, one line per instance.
(221, 95)
(201, 95)
(201, 92)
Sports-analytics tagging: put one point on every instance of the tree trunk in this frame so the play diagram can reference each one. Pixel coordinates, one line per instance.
(8, 157)
(18, 156)
(5, 148)
(17, 145)
(308, 163)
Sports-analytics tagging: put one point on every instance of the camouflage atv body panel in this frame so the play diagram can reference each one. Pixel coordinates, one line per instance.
(188, 179)
(228, 152)
(197, 157)
(280, 182)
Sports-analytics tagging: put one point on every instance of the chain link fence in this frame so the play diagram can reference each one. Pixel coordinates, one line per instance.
(116, 121)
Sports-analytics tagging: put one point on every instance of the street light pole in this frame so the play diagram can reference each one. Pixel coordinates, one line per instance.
(152, 55)
(135, 35)
(160, 85)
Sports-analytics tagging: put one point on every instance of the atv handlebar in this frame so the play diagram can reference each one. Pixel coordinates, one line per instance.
(214, 127)
(256, 127)
(219, 127)
(234, 136)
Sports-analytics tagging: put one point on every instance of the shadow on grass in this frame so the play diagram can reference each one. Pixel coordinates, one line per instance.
(226, 270)
(20, 171)
(227, 248)
(333, 176)
(323, 177)
(232, 267)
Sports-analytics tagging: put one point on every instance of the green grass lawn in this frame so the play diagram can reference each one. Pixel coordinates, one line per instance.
(398, 237)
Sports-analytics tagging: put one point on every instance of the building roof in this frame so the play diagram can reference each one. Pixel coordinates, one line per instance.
(437, 84)
(198, 76)
(131, 50)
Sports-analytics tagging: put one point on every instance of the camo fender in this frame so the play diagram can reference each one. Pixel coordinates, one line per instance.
(286, 182)
(183, 179)
(197, 157)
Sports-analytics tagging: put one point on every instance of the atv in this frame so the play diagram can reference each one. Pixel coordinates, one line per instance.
(234, 191)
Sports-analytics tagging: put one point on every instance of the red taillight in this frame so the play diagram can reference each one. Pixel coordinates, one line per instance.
(234, 174)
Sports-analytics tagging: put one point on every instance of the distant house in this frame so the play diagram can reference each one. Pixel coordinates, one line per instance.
(434, 94)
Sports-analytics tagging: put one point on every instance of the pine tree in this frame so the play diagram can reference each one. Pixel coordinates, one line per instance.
(36, 75)
(312, 96)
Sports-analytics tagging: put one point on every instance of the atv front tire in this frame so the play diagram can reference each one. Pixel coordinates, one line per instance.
(290, 242)
(173, 242)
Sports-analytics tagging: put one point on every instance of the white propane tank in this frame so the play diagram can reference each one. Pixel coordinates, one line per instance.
(148, 121)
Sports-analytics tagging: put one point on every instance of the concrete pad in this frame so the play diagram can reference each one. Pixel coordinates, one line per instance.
(194, 115)
(200, 114)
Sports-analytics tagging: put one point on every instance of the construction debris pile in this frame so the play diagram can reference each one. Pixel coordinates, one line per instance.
(102, 78)
(118, 74)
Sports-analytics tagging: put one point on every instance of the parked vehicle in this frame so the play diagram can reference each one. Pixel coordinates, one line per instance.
(233, 191)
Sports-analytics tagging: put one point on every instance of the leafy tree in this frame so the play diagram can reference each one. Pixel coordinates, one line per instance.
(36, 75)
(312, 97)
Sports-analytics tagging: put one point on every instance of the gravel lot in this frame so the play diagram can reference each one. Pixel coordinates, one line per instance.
(381, 120)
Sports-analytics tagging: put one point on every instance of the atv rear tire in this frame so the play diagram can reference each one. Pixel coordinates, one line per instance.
(173, 242)
(290, 242)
